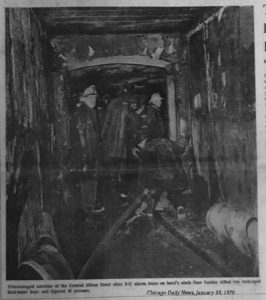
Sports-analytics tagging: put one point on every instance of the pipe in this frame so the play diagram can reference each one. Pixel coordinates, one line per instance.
(229, 223)
(94, 259)
(45, 259)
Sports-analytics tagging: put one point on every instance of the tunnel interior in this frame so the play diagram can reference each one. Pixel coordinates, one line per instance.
(110, 78)
(200, 60)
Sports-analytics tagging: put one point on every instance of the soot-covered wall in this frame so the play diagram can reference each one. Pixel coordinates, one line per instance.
(222, 98)
(36, 117)
(77, 49)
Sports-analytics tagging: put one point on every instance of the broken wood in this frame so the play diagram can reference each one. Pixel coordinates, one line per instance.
(96, 256)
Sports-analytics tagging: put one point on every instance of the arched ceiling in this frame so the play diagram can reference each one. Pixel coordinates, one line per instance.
(112, 76)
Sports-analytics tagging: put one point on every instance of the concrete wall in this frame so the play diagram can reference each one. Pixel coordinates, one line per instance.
(222, 98)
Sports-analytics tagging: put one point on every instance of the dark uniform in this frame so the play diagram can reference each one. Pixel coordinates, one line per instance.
(87, 150)
(145, 124)
(114, 129)
(114, 135)
(89, 141)
(161, 169)
(152, 125)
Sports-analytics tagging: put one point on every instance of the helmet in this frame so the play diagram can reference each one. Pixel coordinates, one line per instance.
(91, 90)
(89, 96)
(156, 99)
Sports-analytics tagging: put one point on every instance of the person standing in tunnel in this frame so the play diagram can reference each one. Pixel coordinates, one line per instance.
(115, 149)
(114, 131)
(101, 108)
(149, 124)
(88, 146)
(136, 115)
(160, 165)
(153, 118)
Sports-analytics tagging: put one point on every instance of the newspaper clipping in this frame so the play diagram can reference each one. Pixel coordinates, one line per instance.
(133, 149)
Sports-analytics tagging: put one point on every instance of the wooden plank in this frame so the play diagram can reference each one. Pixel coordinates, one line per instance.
(171, 108)
(56, 19)
(108, 22)
(115, 19)
(120, 59)
(121, 11)
(65, 29)
(202, 24)
(120, 82)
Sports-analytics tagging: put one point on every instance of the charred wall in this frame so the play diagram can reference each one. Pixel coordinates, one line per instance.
(222, 99)
(32, 150)
(76, 49)
(214, 76)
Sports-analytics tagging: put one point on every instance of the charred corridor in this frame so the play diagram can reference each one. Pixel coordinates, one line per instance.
(201, 63)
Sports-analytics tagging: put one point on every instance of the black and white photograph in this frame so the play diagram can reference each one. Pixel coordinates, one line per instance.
(130, 143)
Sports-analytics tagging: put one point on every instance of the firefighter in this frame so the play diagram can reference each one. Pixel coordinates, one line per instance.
(115, 149)
(88, 146)
(161, 170)
(155, 127)
(150, 124)
(160, 159)
(135, 121)
(114, 132)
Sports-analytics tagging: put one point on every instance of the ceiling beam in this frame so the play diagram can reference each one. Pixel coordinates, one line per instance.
(116, 10)
(108, 23)
(80, 29)
(120, 20)
(121, 81)
(129, 60)
(78, 18)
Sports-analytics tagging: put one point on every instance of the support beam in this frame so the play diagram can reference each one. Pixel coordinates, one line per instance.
(171, 108)
(120, 59)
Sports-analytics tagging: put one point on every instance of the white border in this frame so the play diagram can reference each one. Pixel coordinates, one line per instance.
(248, 292)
